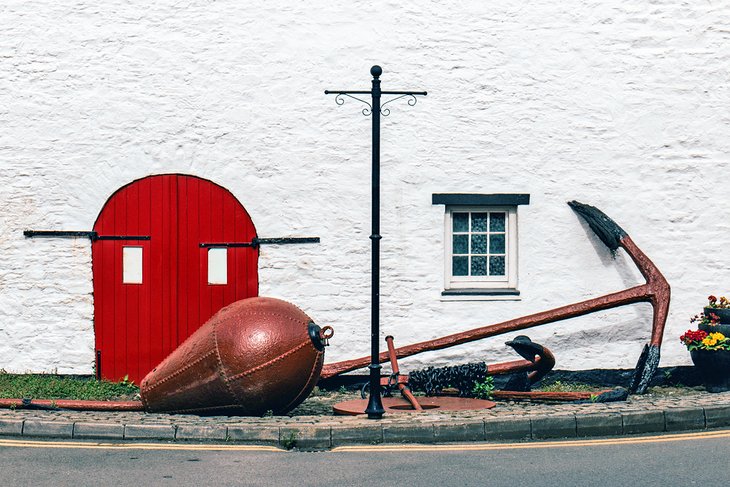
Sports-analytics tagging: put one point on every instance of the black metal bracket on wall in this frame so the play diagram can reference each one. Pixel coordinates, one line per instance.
(93, 236)
(257, 242)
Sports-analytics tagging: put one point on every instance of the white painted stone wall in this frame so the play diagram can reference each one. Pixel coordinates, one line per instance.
(620, 104)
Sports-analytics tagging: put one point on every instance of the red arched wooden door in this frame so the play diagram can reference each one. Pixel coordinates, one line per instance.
(156, 278)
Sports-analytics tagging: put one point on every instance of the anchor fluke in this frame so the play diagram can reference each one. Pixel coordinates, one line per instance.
(602, 225)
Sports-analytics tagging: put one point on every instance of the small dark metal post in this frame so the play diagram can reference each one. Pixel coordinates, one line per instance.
(375, 404)
(375, 409)
(98, 365)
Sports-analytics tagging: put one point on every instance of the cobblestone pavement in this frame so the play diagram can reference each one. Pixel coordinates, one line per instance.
(650, 413)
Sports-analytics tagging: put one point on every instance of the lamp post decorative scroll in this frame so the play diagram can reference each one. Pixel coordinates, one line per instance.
(375, 109)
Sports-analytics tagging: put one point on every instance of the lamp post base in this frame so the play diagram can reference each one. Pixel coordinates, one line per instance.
(375, 407)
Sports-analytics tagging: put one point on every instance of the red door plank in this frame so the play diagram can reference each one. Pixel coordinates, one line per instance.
(182, 258)
(192, 252)
(157, 303)
(228, 234)
(172, 251)
(133, 313)
(217, 217)
(145, 290)
(119, 356)
(205, 235)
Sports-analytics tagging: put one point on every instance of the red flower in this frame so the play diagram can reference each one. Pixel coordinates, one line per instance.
(692, 336)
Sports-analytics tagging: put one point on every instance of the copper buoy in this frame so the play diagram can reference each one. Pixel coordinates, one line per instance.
(253, 356)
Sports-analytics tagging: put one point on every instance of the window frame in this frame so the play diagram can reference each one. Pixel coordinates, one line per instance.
(475, 284)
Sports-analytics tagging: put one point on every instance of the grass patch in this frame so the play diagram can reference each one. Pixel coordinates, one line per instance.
(46, 386)
(559, 386)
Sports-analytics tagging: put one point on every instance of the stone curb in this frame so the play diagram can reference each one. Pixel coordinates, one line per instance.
(329, 434)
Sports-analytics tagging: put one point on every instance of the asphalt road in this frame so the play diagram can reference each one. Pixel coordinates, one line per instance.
(683, 460)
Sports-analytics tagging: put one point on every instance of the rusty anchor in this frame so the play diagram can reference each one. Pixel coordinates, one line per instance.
(655, 290)
(442, 385)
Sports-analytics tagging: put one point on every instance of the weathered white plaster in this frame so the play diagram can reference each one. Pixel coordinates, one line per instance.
(620, 104)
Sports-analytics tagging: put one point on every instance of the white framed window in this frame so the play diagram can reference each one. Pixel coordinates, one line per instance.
(480, 245)
(481, 249)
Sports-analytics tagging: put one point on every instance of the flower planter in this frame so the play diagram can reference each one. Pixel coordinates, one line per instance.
(722, 313)
(714, 368)
(724, 329)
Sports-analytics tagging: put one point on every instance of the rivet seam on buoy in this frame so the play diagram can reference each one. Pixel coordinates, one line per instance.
(180, 371)
(221, 369)
(271, 362)
(317, 365)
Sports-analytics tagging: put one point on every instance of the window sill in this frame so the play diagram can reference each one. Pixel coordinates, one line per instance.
(479, 294)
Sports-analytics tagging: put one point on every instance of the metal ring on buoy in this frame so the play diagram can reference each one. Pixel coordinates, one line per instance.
(326, 333)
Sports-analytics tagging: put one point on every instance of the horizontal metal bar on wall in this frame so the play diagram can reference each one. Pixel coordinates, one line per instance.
(94, 236)
(287, 240)
(255, 242)
(58, 234)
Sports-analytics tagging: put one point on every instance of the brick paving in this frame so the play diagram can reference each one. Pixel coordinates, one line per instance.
(696, 410)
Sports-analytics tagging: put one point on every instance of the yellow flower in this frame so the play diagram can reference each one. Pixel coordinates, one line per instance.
(712, 339)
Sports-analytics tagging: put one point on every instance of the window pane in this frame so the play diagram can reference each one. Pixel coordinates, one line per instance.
(496, 266)
(478, 266)
(479, 222)
(460, 222)
(460, 266)
(217, 266)
(132, 265)
(461, 244)
(478, 244)
(496, 244)
(496, 223)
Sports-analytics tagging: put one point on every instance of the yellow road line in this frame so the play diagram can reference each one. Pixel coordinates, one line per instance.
(134, 446)
(372, 448)
(546, 444)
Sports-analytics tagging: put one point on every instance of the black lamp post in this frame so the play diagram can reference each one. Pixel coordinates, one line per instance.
(375, 404)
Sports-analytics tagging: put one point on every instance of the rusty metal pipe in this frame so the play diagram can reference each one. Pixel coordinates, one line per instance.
(546, 395)
(404, 389)
(72, 404)
(621, 298)
(410, 397)
(511, 367)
